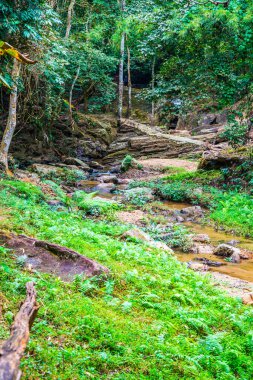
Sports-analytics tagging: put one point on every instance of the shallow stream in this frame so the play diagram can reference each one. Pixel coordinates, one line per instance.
(243, 271)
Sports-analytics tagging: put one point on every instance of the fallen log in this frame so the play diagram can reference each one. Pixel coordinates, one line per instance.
(13, 349)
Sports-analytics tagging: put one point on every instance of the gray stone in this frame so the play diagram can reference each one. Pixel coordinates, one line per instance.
(105, 187)
(192, 212)
(235, 258)
(201, 238)
(96, 165)
(225, 250)
(108, 179)
(234, 243)
(77, 162)
(179, 219)
(135, 233)
(42, 169)
(197, 266)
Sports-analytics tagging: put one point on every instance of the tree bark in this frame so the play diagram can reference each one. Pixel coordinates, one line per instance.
(12, 118)
(71, 96)
(121, 69)
(121, 78)
(13, 349)
(129, 104)
(69, 17)
(153, 88)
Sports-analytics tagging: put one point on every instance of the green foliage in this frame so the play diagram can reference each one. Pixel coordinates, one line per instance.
(22, 189)
(94, 206)
(235, 211)
(129, 162)
(175, 236)
(235, 134)
(64, 175)
(138, 196)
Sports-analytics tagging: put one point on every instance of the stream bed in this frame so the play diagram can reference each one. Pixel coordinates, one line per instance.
(243, 270)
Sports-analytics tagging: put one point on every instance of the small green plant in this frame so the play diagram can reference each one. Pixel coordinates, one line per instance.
(129, 162)
(138, 196)
(21, 260)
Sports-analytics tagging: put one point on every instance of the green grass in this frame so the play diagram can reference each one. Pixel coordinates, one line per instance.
(151, 319)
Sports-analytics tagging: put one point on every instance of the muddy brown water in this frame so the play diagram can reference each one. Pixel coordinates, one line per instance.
(244, 270)
(92, 186)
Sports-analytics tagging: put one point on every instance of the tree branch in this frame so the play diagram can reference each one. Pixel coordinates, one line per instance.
(13, 349)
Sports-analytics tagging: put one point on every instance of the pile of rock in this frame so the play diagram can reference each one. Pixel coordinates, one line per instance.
(189, 214)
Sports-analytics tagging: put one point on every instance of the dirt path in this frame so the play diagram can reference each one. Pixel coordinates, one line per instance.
(162, 163)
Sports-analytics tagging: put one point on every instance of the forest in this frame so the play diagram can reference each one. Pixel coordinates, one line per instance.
(126, 189)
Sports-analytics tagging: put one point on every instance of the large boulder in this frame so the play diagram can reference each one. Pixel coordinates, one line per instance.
(197, 121)
(225, 250)
(208, 119)
(220, 157)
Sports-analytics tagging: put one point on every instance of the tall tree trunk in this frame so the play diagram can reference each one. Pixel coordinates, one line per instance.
(69, 18)
(153, 88)
(71, 96)
(12, 117)
(121, 68)
(129, 104)
(121, 78)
